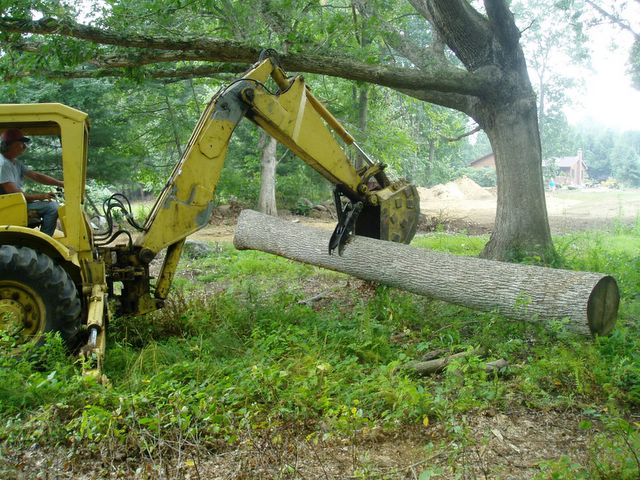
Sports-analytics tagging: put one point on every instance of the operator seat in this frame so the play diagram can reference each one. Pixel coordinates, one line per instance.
(14, 211)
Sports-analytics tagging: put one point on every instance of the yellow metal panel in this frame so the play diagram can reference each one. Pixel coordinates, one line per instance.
(74, 172)
(13, 209)
(169, 268)
(304, 131)
(209, 142)
(45, 109)
(186, 205)
(29, 237)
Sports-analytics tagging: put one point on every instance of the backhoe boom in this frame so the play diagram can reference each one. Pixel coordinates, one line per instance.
(294, 117)
(298, 120)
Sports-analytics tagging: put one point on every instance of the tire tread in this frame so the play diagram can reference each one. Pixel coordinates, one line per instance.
(39, 267)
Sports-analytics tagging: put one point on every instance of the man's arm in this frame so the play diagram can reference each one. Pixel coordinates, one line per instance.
(10, 187)
(43, 179)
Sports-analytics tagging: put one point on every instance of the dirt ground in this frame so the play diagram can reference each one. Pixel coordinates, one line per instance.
(568, 210)
(466, 207)
(511, 445)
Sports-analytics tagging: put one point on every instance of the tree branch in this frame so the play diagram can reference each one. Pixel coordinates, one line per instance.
(136, 57)
(463, 103)
(443, 80)
(149, 57)
(614, 18)
(225, 50)
(463, 135)
(202, 71)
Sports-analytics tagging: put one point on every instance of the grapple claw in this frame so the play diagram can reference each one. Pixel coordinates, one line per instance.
(345, 228)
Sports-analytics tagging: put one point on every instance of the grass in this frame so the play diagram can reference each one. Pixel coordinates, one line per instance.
(238, 356)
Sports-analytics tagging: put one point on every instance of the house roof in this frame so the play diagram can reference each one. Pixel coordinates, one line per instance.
(484, 157)
(564, 162)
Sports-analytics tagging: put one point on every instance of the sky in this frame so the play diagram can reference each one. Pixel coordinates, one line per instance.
(608, 97)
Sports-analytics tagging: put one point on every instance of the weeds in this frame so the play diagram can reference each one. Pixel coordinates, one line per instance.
(236, 361)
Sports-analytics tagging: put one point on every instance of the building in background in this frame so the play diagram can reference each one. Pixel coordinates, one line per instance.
(568, 171)
(489, 160)
(572, 171)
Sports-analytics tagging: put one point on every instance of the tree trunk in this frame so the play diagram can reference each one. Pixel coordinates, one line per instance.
(522, 226)
(267, 199)
(173, 119)
(363, 114)
(508, 115)
(588, 300)
(431, 162)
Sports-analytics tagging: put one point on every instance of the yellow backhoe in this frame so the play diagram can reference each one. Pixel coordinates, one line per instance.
(72, 281)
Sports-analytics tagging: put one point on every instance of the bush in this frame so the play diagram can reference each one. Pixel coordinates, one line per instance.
(300, 182)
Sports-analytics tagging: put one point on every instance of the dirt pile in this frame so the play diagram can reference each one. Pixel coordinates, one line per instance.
(461, 189)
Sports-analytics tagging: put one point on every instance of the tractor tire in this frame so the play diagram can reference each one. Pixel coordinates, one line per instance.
(36, 296)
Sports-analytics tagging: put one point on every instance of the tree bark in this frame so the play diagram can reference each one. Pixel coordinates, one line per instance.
(589, 301)
(267, 198)
(522, 225)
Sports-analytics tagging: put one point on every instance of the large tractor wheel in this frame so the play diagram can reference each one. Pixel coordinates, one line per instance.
(36, 296)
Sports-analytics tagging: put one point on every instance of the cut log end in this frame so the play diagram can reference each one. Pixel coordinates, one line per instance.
(602, 307)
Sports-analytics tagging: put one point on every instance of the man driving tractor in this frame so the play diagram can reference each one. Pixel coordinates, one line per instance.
(13, 143)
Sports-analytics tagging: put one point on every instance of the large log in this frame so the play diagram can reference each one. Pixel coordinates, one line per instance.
(588, 300)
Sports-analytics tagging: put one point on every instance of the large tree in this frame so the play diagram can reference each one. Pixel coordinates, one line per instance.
(482, 72)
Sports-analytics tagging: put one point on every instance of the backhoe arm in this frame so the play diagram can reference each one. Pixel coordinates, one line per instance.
(295, 118)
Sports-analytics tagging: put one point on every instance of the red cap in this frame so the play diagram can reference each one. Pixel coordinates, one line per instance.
(13, 135)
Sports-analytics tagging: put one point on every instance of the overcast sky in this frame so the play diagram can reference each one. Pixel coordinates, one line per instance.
(608, 97)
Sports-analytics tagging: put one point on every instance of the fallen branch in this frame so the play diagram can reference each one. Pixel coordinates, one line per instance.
(434, 354)
(437, 365)
(315, 298)
(496, 365)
